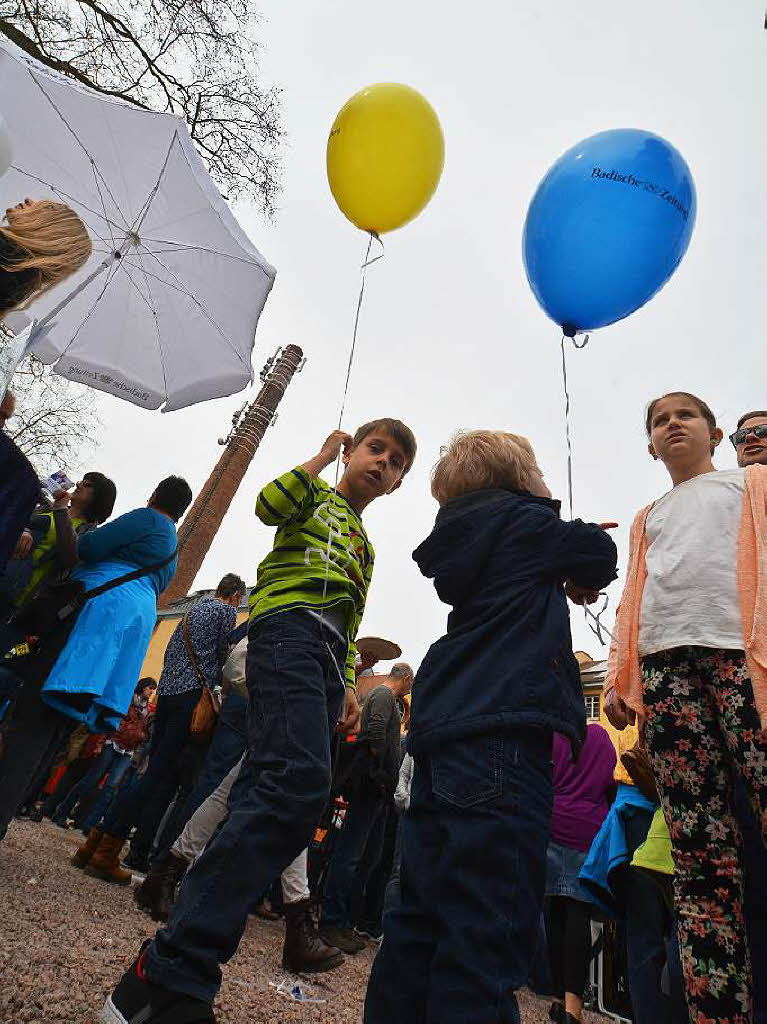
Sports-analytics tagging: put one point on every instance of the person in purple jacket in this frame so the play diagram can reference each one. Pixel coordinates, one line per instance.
(583, 790)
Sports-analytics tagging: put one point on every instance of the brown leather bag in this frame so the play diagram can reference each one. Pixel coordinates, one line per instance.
(637, 763)
(205, 714)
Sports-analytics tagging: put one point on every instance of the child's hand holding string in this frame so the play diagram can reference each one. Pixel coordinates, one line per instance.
(332, 447)
(580, 595)
(585, 595)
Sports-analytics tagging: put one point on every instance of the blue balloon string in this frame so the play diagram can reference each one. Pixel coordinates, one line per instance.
(599, 627)
(578, 345)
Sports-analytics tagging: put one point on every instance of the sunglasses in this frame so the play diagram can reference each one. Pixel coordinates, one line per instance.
(740, 435)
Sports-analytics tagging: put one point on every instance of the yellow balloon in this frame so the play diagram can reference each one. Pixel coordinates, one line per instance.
(385, 156)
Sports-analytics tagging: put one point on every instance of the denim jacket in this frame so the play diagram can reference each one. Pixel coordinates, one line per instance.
(500, 559)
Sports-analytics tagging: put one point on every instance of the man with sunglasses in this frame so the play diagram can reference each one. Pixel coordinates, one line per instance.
(750, 439)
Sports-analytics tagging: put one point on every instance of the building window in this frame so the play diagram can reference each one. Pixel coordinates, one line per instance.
(591, 700)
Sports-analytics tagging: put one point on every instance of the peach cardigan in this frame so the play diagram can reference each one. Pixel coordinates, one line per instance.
(623, 671)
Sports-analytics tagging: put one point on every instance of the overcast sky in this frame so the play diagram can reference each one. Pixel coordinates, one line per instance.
(450, 335)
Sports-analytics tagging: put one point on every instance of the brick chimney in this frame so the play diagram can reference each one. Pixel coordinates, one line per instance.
(202, 521)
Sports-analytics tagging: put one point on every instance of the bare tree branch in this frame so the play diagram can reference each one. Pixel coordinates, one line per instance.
(54, 424)
(196, 58)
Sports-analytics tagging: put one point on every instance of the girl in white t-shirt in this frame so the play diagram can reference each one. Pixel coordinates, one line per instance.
(680, 661)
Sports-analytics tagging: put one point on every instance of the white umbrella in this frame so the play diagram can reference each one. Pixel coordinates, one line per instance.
(166, 308)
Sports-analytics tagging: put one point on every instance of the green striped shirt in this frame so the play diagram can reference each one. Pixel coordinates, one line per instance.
(321, 558)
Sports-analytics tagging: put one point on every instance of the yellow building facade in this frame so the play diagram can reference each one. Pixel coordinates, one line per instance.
(167, 620)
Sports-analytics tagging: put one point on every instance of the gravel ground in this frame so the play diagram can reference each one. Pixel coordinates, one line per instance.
(66, 938)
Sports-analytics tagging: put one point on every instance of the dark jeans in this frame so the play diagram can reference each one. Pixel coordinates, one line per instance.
(145, 804)
(227, 747)
(111, 763)
(648, 923)
(295, 679)
(97, 805)
(472, 877)
(375, 870)
(31, 741)
(540, 980)
(393, 896)
(361, 829)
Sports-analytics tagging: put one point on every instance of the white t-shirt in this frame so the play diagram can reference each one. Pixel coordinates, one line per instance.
(691, 592)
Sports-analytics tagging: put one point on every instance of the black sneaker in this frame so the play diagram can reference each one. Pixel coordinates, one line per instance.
(137, 1001)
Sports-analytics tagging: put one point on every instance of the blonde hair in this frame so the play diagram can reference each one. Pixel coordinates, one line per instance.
(479, 459)
(49, 241)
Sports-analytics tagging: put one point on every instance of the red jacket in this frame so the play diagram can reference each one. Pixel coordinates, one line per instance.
(132, 728)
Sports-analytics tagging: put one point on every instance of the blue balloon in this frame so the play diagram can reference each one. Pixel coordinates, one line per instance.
(607, 227)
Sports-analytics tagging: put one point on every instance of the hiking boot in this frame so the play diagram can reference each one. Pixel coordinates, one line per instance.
(157, 893)
(105, 862)
(343, 938)
(84, 853)
(137, 1001)
(304, 951)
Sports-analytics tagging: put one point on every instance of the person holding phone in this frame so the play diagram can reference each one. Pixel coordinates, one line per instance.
(48, 545)
(91, 678)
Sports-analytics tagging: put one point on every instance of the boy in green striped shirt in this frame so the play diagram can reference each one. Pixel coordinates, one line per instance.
(322, 560)
(304, 613)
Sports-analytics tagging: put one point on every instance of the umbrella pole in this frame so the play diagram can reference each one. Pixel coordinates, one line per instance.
(103, 266)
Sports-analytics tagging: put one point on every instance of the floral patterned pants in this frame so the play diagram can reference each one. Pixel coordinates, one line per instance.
(700, 722)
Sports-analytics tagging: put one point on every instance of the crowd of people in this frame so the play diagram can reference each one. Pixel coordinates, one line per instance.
(462, 832)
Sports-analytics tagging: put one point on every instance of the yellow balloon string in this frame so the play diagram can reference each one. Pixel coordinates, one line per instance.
(363, 269)
(365, 264)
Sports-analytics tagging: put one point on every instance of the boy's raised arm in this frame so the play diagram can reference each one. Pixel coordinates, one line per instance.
(283, 498)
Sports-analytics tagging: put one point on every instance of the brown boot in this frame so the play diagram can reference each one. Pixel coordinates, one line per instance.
(304, 951)
(105, 862)
(157, 893)
(84, 853)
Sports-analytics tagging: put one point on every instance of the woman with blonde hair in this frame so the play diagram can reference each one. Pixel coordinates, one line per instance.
(41, 245)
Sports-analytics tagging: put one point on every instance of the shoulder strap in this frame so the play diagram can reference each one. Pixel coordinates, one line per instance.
(190, 651)
(86, 595)
(135, 575)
